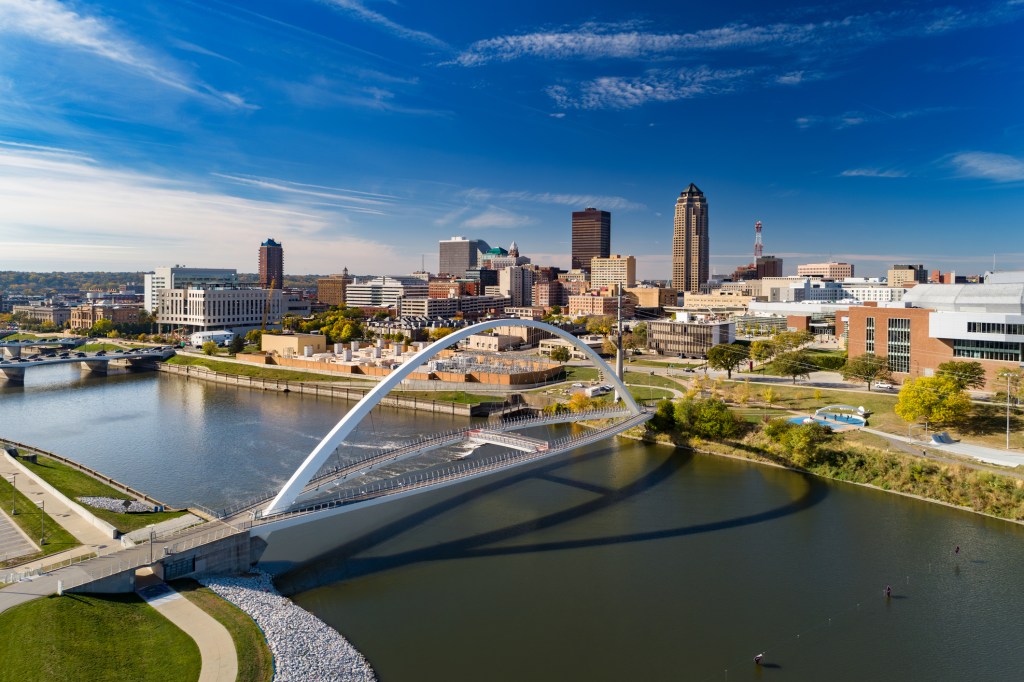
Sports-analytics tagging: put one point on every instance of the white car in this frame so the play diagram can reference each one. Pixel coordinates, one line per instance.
(883, 385)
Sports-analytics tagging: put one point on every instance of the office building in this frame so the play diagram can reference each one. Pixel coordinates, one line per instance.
(613, 271)
(271, 265)
(690, 243)
(384, 291)
(590, 304)
(210, 308)
(516, 283)
(331, 289)
(181, 277)
(591, 237)
(907, 275)
(768, 266)
(830, 270)
(458, 254)
(688, 336)
(653, 297)
(57, 315)
(85, 316)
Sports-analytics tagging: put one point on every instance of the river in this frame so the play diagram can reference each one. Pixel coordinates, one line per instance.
(621, 561)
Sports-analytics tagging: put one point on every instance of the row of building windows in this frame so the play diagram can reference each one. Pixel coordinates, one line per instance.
(869, 338)
(995, 328)
(898, 344)
(987, 350)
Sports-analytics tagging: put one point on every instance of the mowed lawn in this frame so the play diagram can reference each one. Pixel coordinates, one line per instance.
(109, 638)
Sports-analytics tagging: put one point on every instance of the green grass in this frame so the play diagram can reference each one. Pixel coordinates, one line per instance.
(450, 396)
(256, 371)
(95, 639)
(578, 373)
(27, 518)
(75, 484)
(92, 347)
(652, 380)
(255, 661)
(648, 393)
(668, 363)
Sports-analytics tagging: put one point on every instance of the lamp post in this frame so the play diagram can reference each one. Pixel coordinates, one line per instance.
(1007, 411)
(14, 494)
(152, 537)
(42, 527)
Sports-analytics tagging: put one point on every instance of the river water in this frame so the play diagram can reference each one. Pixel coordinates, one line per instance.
(623, 561)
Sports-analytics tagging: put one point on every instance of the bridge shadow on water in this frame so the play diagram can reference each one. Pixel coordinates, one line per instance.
(345, 561)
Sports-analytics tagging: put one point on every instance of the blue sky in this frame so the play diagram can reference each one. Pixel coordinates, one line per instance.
(361, 132)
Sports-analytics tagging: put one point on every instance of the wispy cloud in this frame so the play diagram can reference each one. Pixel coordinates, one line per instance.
(989, 166)
(852, 119)
(368, 202)
(54, 199)
(580, 201)
(656, 85)
(52, 23)
(320, 92)
(358, 9)
(496, 218)
(873, 173)
(592, 41)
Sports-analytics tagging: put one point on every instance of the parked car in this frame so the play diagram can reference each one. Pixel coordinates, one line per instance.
(883, 385)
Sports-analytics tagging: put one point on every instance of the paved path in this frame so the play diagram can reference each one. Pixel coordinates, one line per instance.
(1006, 458)
(219, 658)
(13, 541)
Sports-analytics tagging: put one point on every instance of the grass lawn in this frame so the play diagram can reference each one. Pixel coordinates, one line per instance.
(450, 396)
(652, 380)
(92, 347)
(27, 518)
(755, 415)
(258, 371)
(255, 662)
(74, 484)
(86, 637)
(578, 373)
(667, 363)
(649, 393)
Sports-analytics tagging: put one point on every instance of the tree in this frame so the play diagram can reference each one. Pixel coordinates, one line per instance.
(608, 347)
(769, 395)
(664, 417)
(762, 351)
(560, 354)
(253, 337)
(210, 347)
(602, 324)
(933, 400)
(966, 373)
(707, 418)
(868, 368)
(440, 333)
(1012, 383)
(640, 334)
(802, 442)
(579, 402)
(237, 344)
(795, 363)
(727, 356)
(787, 341)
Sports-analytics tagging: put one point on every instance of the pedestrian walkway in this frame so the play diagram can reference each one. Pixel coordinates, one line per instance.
(13, 541)
(216, 648)
(1006, 458)
(94, 541)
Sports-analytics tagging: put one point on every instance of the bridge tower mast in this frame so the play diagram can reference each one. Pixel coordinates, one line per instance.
(758, 246)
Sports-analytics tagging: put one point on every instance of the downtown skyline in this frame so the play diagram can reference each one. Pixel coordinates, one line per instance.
(360, 134)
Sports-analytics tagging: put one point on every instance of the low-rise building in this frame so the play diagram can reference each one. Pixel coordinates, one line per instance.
(383, 292)
(293, 345)
(588, 305)
(653, 297)
(492, 342)
(85, 316)
(56, 315)
(688, 337)
(595, 342)
(196, 310)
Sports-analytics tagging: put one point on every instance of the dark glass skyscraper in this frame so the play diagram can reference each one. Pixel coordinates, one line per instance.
(591, 236)
(690, 244)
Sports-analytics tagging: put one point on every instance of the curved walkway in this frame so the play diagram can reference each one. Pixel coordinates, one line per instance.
(216, 648)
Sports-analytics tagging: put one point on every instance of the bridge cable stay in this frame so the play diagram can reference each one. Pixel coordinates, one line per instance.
(315, 460)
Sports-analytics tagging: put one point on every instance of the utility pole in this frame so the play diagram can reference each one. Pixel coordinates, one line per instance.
(1007, 411)
(14, 494)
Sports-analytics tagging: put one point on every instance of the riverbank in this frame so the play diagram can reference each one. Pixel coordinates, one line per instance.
(977, 490)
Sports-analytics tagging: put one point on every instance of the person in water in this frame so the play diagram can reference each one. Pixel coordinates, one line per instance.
(957, 550)
(758, 659)
(888, 590)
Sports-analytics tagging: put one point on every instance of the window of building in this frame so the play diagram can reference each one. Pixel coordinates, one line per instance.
(869, 335)
(898, 344)
(987, 350)
(995, 328)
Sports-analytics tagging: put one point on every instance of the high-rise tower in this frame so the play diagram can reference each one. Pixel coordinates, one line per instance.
(271, 265)
(690, 246)
(591, 237)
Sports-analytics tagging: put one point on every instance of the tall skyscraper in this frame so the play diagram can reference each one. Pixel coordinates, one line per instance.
(591, 237)
(458, 254)
(690, 245)
(271, 265)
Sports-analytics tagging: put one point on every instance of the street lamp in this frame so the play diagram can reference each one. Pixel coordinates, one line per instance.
(14, 494)
(42, 528)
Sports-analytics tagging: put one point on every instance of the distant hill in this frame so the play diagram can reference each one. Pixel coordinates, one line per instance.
(13, 282)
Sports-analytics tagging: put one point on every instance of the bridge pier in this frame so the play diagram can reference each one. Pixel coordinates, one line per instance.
(15, 375)
(13, 351)
(96, 366)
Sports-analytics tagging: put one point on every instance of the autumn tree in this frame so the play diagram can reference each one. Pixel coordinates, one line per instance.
(762, 351)
(796, 364)
(560, 354)
(868, 368)
(210, 347)
(933, 400)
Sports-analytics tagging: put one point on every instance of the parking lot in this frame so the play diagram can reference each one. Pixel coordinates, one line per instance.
(12, 541)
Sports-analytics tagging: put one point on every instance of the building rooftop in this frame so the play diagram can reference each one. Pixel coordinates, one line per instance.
(980, 298)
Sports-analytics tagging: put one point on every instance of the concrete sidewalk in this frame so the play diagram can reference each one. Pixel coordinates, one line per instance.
(1006, 458)
(217, 649)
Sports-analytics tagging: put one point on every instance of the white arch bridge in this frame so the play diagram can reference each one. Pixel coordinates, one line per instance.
(303, 493)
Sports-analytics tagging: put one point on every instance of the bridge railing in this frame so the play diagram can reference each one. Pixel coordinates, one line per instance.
(451, 472)
(384, 456)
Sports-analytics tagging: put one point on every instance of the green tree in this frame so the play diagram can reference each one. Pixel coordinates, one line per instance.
(966, 373)
(933, 400)
(560, 354)
(608, 347)
(706, 418)
(210, 347)
(769, 395)
(795, 364)
(640, 334)
(727, 356)
(762, 351)
(253, 337)
(101, 328)
(789, 341)
(868, 368)
(237, 344)
(1011, 382)
(664, 417)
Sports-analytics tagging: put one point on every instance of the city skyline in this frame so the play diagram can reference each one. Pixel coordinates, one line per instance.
(360, 134)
